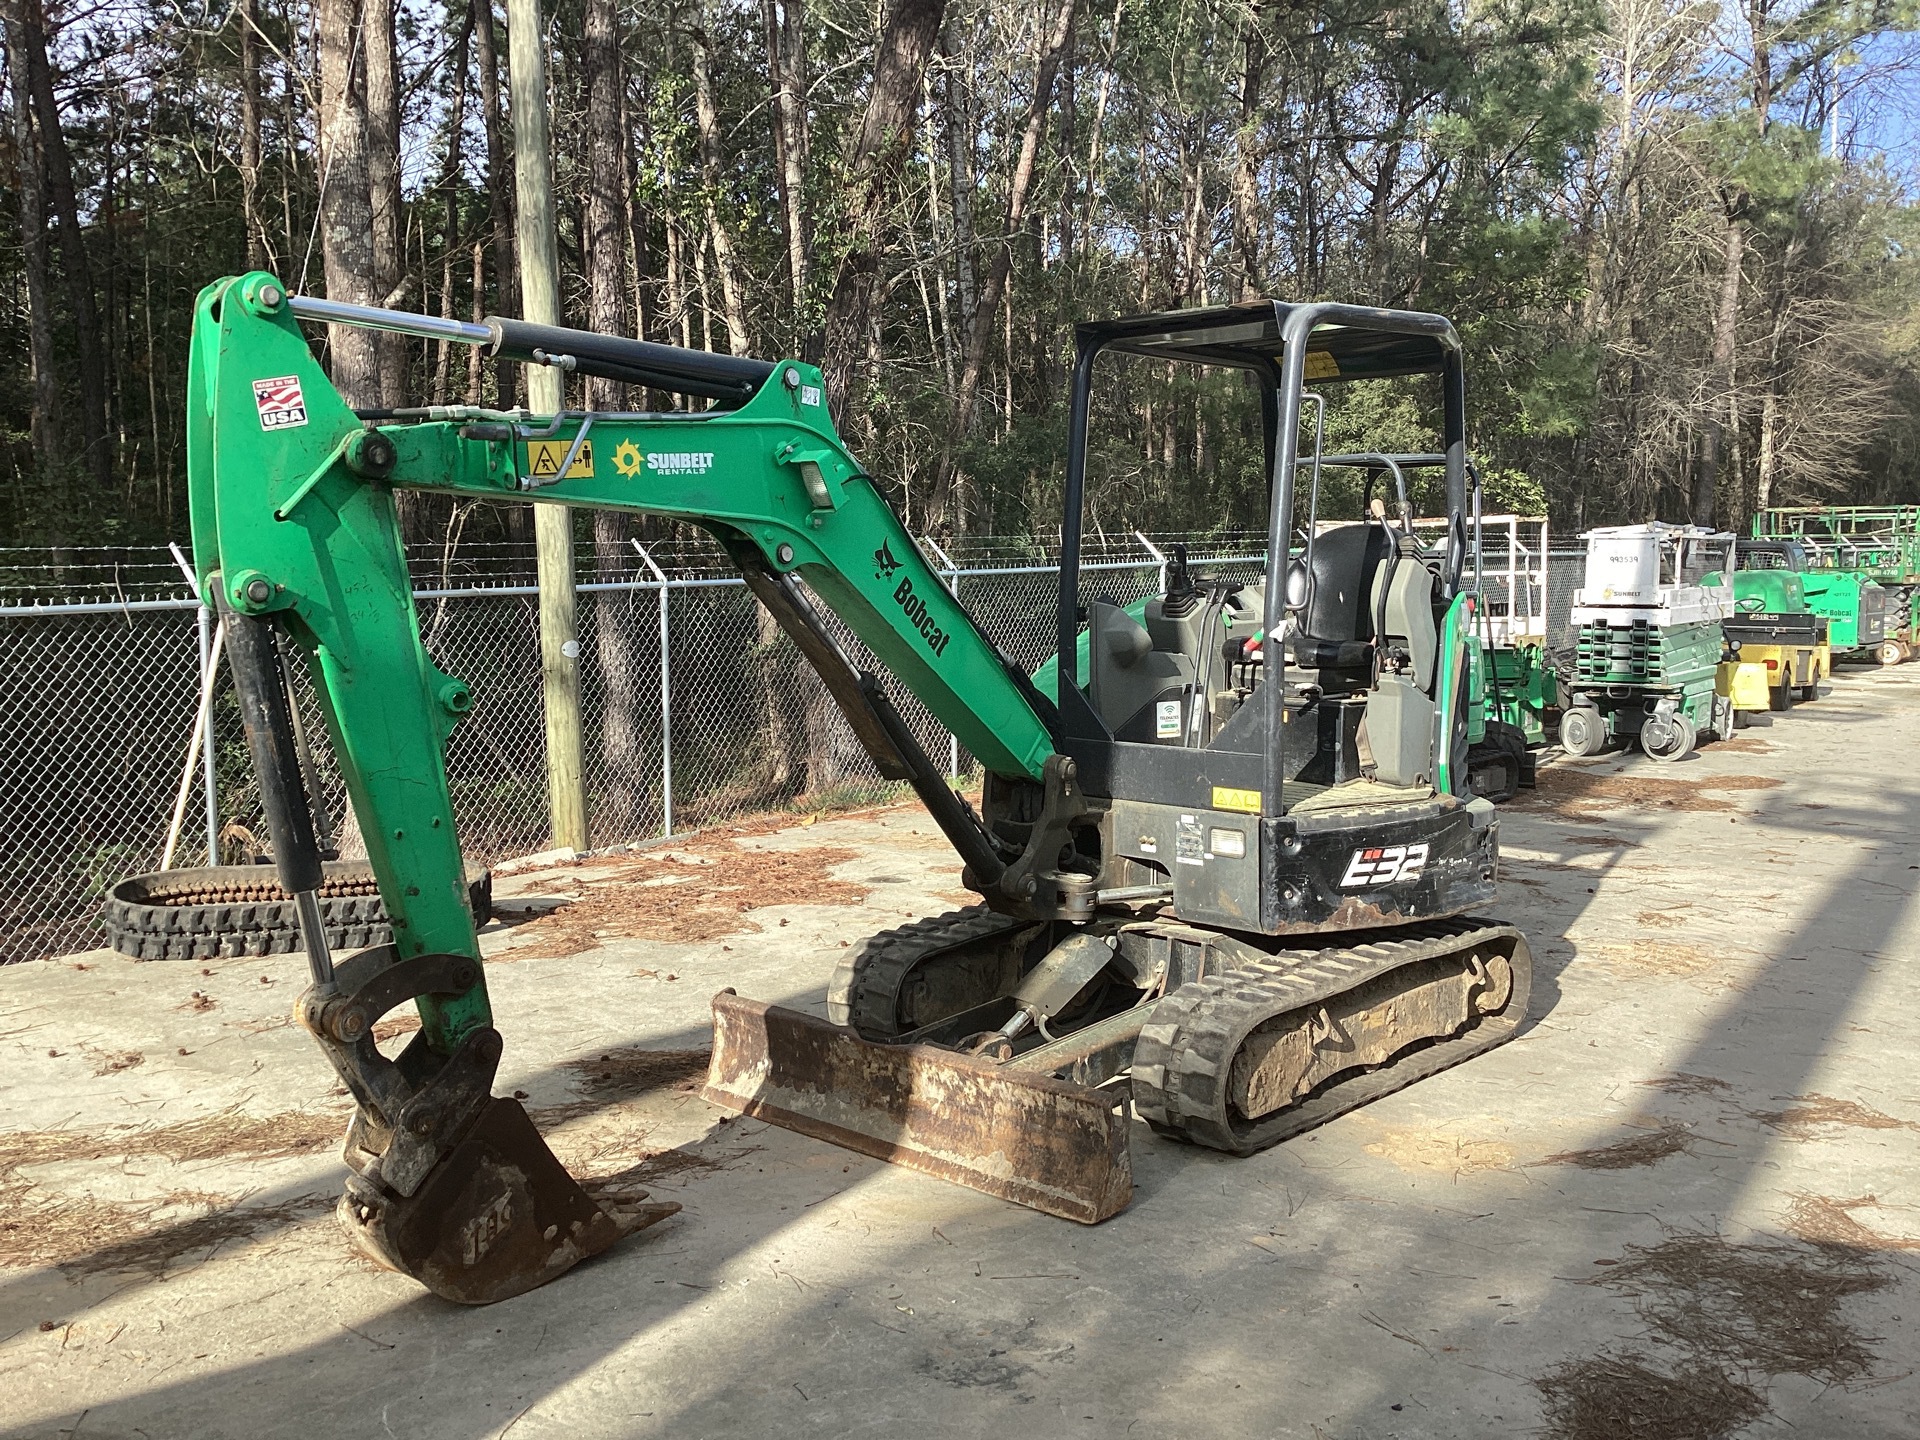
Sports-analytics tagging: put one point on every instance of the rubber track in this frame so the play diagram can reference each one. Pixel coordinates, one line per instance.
(1184, 1056)
(141, 925)
(865, 989)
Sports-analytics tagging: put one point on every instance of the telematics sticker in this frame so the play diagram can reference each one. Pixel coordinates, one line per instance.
(280, 403)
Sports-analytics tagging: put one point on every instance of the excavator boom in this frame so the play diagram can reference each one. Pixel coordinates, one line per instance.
(297, 545)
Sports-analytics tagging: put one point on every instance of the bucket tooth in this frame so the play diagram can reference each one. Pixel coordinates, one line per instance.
(1038, 1141)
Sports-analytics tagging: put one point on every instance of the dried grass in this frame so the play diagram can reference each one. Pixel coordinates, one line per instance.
(630, 1184)
(1742, 745)
(1581, 794)
(624, 1073)
(1808, 1115)
(85, 1236)
(689, 895)
(1771, 1308)
(1726, 1310)
(1621, 1397)
(1824, 1220)
(1684, 1084)
(226, 1135)
(1647, 1148)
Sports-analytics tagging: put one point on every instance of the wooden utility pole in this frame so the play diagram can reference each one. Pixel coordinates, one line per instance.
(546, 395)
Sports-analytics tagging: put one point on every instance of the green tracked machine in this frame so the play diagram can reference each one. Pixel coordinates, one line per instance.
(1229, 883)
(1647, 641)
(1854, 607)
(1859, 546)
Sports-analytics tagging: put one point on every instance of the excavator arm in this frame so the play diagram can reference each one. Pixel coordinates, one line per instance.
(297, 546)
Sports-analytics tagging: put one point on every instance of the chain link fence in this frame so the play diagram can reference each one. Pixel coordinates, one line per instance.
(696, 710)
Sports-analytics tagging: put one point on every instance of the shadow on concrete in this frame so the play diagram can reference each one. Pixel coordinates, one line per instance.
(1134, 1321)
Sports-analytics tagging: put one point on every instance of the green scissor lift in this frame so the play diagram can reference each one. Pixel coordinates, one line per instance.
(1647, 640)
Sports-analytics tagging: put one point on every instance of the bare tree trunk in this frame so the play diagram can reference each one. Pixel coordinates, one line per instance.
(606, 254)
(1726, 325)
(259, 255)
(957, 120)
(478, 313)
(1768, 461)
(74, 264)
(732, 305)
(785, 24)
(873, 173)
(383, 188)
(449, 188)
(346, 210)
(31, 182)
(1246, 159)
(993, 291)
(506, 280)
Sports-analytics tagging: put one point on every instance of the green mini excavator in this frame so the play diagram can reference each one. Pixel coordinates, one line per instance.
(1227, 854)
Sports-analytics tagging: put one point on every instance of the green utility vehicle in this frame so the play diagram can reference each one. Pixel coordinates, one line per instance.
(1647, 641)
(1231, 877)
(1874, 543)
(1854, 606)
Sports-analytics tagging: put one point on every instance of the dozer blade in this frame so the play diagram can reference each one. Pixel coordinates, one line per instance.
(498, 1216)
(1032, 1139)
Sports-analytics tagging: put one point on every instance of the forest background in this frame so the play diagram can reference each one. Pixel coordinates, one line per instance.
(1677, 238)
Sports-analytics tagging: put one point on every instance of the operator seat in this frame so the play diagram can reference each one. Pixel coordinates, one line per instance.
(1335, 634)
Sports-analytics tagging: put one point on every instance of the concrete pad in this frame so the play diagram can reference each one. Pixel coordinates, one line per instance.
(1718, 1071)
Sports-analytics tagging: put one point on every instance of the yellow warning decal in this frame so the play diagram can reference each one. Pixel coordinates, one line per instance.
(1225, 797)
(545, 457)
(1322, 366)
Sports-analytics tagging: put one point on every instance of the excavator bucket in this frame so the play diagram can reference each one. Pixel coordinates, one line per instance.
(498, 1216)
(1035, 1140)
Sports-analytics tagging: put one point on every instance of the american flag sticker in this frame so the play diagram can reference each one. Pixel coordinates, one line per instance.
(280, 403)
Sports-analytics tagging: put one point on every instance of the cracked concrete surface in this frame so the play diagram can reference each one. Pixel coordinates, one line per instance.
(1723, 1025)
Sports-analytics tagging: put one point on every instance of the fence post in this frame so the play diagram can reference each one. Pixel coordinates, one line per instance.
(209, 787)
(951, 572)
(203, 626)
(666, 699)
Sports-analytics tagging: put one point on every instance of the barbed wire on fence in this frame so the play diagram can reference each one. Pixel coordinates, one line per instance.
(696, 710)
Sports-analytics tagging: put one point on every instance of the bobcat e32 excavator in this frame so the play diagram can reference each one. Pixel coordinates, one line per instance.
(1227, 871)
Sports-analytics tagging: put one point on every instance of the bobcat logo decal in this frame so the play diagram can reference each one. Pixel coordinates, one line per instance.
(883, 562)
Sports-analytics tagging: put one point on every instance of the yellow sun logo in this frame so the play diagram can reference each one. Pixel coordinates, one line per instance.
(627, 459)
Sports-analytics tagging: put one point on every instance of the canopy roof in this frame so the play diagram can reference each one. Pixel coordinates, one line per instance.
(1345, 342)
